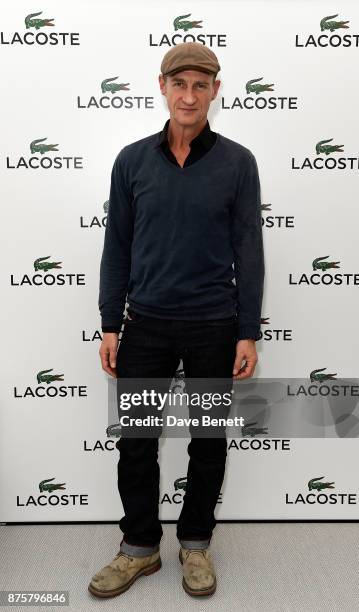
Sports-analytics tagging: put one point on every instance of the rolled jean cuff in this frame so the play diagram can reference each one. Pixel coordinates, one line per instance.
(197, 544)
(138, 551)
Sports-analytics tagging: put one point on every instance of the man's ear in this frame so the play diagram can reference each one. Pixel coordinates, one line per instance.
(162, 84)
(216, 88)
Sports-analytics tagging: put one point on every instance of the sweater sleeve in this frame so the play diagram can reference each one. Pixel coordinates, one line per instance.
(116, 256)
(247, 242)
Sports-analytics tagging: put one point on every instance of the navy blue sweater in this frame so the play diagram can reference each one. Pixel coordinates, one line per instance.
(173, 233)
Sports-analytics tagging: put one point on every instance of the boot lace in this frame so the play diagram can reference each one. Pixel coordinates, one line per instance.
(192, 554)
(122, 560)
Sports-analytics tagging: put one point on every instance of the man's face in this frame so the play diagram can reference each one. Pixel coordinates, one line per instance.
(189, 94)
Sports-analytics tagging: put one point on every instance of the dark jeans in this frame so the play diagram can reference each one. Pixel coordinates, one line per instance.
(150, 348)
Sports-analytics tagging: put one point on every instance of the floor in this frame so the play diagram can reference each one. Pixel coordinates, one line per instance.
(269, 567)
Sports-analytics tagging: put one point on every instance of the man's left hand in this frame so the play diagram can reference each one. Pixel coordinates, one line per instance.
(245, 350)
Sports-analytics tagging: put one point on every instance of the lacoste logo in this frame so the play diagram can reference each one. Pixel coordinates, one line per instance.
(253, 86)
(325, 157)
(30, 22)
(106, 85)
(45, 162)
(332, 25)
(324, 265)
(319, 265)
(180, 483)
(184, 30)
(35, 147)
(322, 147)
(45, 275)
(178, 24)
(40, 264)
(250, 430)
(318, 486)
(45, 485)
(36, 33)
(44, 377)
(315, 376)
(330, 35)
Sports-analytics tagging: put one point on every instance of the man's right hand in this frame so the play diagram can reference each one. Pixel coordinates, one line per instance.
(108, 352)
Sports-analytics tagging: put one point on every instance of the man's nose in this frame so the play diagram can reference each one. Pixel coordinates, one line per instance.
(189, 97)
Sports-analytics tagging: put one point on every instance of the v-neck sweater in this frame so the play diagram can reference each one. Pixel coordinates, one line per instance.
(184, 242)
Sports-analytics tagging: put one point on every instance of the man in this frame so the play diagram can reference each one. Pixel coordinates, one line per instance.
(184, 221)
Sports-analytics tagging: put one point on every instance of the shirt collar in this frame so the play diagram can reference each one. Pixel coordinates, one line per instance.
(204, 138)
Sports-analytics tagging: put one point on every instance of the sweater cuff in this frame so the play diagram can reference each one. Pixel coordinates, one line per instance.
(111, 329)
(249, 332)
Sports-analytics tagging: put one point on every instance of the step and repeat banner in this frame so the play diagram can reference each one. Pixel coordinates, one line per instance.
(79, 82)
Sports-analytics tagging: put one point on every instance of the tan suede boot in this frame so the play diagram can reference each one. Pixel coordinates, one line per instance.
(199, 577)
(121, 573)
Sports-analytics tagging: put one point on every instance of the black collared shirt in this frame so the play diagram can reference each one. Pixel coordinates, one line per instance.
(202, 143)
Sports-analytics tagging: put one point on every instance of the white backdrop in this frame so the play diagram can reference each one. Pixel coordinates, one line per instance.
(53, 92)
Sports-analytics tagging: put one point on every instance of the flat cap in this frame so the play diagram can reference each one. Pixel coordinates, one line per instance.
(190, 56)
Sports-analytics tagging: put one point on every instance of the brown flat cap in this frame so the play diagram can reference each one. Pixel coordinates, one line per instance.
(190, 56)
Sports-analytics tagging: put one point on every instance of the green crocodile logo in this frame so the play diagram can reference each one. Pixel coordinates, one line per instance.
(324, 265)
(253, 86)
(44, 377)
(315, 376)
(35, 147)
(178, 24)
(250, 430)
(30, 22)
(106, 85)
(45, 485)
(318, 486)
(180, 483)
(332, 25)
(105, 206)
(41, 264)
(322, 147)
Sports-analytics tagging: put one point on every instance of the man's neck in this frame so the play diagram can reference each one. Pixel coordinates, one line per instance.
(179, 136)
